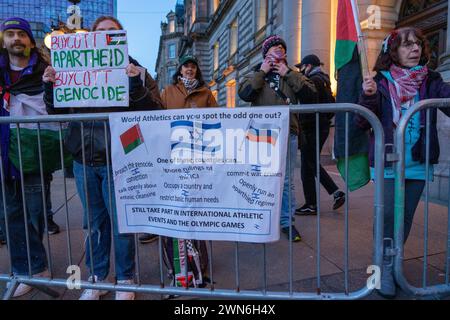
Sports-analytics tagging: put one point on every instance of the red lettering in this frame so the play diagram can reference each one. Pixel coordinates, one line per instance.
(106, 75)
(58, 79)
(55, 43)
(86, 44)
(87, 79)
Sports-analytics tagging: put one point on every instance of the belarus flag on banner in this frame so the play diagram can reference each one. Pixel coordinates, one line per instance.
(131, 139)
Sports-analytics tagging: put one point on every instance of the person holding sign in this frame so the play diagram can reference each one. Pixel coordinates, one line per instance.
(403, 79)
(273, 82)
(21, 94)
(142, 97)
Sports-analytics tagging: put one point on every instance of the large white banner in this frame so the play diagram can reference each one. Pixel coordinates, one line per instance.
(207, 174)
(90, 69)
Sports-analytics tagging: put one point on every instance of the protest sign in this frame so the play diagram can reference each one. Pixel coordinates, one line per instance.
(90, 69)
(207, 174)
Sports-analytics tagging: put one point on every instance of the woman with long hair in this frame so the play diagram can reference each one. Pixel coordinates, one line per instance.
(403, 79)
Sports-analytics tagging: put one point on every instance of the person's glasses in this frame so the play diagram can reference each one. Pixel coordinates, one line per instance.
(410, 44)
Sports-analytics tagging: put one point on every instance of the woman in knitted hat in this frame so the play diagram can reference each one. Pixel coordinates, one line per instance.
(272, 83)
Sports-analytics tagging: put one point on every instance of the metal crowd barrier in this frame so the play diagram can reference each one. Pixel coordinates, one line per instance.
(213, 291)
(439, 290)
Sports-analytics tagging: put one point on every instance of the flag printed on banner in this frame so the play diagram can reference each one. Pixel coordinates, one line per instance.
(116, 39)
(196, 131)
(263, 132)
(131, 139)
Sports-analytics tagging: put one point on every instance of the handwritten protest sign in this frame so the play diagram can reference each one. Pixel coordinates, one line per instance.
(90, 69)
(204, 174)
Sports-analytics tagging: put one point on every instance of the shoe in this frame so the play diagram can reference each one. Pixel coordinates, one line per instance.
(296, 237)
(147, 238)
(22, 289)
(92, 294)
(306, 210)
(388, 288)
(124, 295)
(339, 199)
(53, 228)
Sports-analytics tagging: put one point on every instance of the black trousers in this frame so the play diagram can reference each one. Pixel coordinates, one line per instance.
(308, 163)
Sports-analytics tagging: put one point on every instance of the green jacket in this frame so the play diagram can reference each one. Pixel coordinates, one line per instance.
(256, 90)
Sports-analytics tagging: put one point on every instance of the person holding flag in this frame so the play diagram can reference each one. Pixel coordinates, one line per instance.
(351, 64)
(21, 94)
(403, 79)
(143, 97)
(273, 82)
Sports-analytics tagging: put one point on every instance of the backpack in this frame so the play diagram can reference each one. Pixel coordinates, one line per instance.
(174, 256)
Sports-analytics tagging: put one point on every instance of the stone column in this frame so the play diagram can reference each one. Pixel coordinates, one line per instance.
(316, 24)
(292, 29)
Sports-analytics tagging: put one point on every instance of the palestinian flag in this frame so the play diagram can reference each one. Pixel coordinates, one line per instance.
(116, 39)
(349, 87)
(346, 36)
(131, 139)
(30, 134)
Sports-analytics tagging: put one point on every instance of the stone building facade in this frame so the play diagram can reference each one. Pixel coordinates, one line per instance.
(226, 36)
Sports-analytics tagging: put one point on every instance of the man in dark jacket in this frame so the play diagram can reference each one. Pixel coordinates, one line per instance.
(311, 67)
(21, 69)
(274, 83)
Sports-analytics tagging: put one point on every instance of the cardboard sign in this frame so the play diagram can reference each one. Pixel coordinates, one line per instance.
(91, 69)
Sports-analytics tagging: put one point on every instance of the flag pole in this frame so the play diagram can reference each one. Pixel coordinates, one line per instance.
(361, 41)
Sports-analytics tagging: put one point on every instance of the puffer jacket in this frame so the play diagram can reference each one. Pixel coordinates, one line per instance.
(142, 98)
(176, 96)
(256, 90)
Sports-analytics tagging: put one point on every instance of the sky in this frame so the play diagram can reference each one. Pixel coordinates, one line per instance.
(142, 20)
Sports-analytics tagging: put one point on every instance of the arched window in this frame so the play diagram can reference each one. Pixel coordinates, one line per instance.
(430, 16)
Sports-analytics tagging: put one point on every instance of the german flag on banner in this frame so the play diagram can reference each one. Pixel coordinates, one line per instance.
(131, 139)
(116, 39)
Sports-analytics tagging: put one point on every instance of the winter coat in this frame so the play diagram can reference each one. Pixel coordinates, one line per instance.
(175, 96)
(256, 90)
(324, 95)
(142, 98)
(25, 98)
(380, 104)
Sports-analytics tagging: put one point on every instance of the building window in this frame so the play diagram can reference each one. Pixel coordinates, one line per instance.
(261, 14)
(172, 26)
(231, 93)
(233, 37)
(215, 5)
(172, 51)
(193, 11)
(216, 56)
(170, 72)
